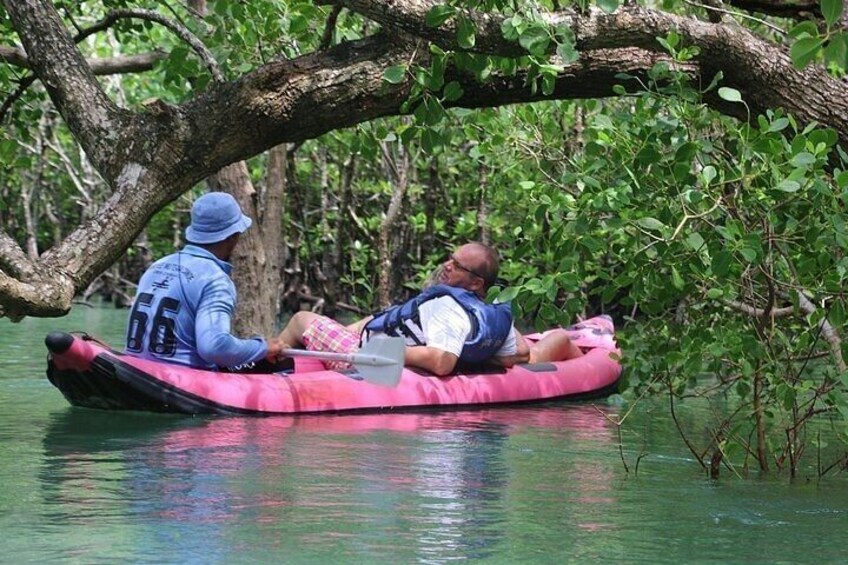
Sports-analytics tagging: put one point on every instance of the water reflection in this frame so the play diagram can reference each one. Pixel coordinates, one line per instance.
(423, 487)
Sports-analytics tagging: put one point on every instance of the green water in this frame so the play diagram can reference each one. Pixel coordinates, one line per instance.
(539, 484)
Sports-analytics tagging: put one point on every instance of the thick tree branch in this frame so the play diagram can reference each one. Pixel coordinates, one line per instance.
(762, 71)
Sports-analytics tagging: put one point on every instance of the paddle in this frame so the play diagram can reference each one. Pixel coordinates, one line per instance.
(379, 361)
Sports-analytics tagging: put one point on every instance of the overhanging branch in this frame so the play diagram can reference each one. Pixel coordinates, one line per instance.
(99, 66)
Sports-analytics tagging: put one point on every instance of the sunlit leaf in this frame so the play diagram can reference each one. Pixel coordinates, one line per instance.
(535, 39)
(569, 54)
(508, 294)
(650, 224)
(695, 241)
(788, 186)
(395, 74)
(608, 6)
(676, 279)
(729, 94)
(437, 15)
(749, 254)
(778, 125)
(709, 173)
(803, 159)
(804, 50)
(465, 33)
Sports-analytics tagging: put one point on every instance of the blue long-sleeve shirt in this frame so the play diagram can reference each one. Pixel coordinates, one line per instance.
(183, 312)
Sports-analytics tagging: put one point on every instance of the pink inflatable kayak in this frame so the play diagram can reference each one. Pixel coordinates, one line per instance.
(92, 375)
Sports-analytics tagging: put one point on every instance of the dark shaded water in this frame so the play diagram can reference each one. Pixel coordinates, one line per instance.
(541, 484)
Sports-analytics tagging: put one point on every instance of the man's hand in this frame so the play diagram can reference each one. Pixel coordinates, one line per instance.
(275, 350)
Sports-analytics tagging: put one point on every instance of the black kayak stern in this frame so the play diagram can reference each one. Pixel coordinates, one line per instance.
(58, 342)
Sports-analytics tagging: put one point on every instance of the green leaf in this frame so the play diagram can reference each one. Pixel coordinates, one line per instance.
(778, 125)
(673, 39)
(695, 241)
(434, 112)
(721, 263)
(836, 50)
(805, 28)
(714, 293)
(568, 53)
(431, 140)
(749, 254)
(729, 94)
(788, 186)
(465, 33)
(535, 39)
(708, 174)
(669, 43)
(804, 50)
(436, 50)
(508, 294)
(8, 148)
(437, 15)
(718, 77)
(298, 24)
(508, 29)
(803, 159)
(395, 74)
(608, 6)
(602, 121)
(650, 224)
(831, 10)
(453, 91)
(436, 79)
(676, 279)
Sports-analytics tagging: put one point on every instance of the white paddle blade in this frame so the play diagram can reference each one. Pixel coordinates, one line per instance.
(380, 360)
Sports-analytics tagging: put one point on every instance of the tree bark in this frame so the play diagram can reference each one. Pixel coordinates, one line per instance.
(274, 205)
(483, 207)
(397, 169)
(335, 265)
(258, 274)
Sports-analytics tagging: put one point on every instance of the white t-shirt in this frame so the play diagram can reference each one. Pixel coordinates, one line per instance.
(446, 326)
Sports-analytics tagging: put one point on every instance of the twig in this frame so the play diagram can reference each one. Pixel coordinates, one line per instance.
(179, 29)
(327, 36)
(739, 14)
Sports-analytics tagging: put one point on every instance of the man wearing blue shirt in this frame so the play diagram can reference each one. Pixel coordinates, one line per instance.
(185, 302)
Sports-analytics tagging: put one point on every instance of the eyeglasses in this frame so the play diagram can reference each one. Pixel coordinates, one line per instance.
(459, 266)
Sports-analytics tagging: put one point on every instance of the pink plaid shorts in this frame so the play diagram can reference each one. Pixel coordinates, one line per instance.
(324, 334)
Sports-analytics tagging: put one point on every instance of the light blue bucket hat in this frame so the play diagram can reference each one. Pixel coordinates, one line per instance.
(215, 217)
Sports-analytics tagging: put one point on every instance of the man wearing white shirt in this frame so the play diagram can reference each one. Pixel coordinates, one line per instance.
(444, 324)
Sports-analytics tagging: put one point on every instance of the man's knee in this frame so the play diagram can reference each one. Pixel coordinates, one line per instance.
(302, 319)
